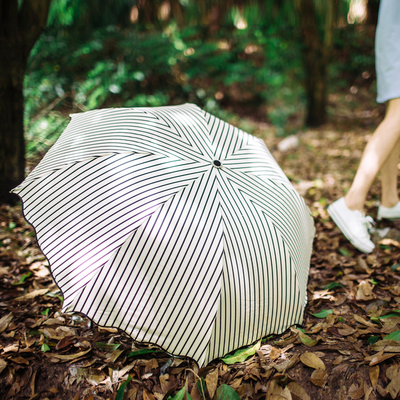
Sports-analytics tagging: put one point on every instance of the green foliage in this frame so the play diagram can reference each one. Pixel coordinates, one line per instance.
(322, 313)
(87, 60)
(225, 392)
(241, 354)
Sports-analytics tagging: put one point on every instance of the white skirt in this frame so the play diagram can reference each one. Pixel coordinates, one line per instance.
(387, 51)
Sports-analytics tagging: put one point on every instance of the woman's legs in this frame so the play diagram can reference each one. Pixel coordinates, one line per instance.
(389, 173)
(381, 153)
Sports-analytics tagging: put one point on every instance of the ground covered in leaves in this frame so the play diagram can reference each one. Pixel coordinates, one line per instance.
(348, 346)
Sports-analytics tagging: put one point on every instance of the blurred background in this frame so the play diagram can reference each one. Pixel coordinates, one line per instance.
(284, 64)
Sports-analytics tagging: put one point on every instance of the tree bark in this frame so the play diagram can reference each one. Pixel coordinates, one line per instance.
(19, 30)
(316, 53)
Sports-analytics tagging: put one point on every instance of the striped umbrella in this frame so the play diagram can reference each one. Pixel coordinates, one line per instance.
(172, 225)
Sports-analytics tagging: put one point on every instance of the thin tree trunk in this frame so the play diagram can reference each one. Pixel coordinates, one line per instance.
(19, 30)
(315, 59)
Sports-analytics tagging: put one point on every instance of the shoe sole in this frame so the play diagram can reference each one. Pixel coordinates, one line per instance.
(339, 223)
(380, 218)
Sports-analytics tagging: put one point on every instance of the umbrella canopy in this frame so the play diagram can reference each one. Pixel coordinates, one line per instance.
(172, 225)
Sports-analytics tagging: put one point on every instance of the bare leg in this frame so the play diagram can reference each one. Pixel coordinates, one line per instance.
(378, 150)
(389, 173)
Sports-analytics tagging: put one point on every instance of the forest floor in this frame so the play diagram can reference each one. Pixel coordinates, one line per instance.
(341, 351)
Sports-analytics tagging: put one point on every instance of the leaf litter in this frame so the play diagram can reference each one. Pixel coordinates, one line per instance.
(347, 347)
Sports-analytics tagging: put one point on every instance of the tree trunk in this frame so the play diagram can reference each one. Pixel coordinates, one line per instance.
(315, 59)
(372, 12)
(19, 30)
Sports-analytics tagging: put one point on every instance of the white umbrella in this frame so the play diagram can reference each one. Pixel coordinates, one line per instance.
(172, 225)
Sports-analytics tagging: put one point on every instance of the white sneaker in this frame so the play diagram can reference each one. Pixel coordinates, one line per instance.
(391, 213)
(353, 224)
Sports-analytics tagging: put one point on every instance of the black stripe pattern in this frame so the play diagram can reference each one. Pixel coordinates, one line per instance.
(172, 225)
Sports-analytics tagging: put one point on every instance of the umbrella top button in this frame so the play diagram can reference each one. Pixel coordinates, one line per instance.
(216, 163)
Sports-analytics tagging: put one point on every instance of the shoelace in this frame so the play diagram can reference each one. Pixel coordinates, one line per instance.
(368, 222)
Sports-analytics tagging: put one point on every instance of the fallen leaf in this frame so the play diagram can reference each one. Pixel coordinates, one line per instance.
(374, 375)
(389, 346)
(393, 371)
(241, 354)
(69, 357)
(212, 382)
(287, 364)
(126, 369)
(318, 377)
(394, 386)
(11, 349)
(3, 364)
(378, 359)
(276, 392)
(151, 364)
(322, 313)
(65, 342)
(275, 353)
(364, 291)
(5, 321)
(356, 391)
(19, 360)
(298, 392)
(311, 360)
(389, 242)
(306, 339)
(225, 392)
(33, 381)
(31, 295)
(361, 320)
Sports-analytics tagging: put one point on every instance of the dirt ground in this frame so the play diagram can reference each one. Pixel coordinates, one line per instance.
(340, 352)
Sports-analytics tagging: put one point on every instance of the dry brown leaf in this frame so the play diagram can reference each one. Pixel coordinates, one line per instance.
(363, 321)
(151, 364)
(389, 242)
(364, 291)
(3, 364)
(69, 357)
(318, 377)
(92, 375)
(33, 381)
(212, 382)
(347, 331)
(356, 391)
(338, 360)
(19, 360)
(147, 395)
(393, 371)
(297, 391)
(378, 359)
(131, 395)
(275, 353)
(312, 360)
(374, 375)
(31, 295)
(382, 391)
(11, 349)
(287, 364)
(394, 386)
(5, 321)
(126, 369)
(276, 392)
(65, 342)
(164, 383)
(388, 346)
(236, 383)
(54, 321)
(114, 356)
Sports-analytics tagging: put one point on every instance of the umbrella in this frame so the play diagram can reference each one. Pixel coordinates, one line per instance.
(172, 225)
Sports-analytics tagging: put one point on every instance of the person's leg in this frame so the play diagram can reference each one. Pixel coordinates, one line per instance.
(382, 147)
(389, 173)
